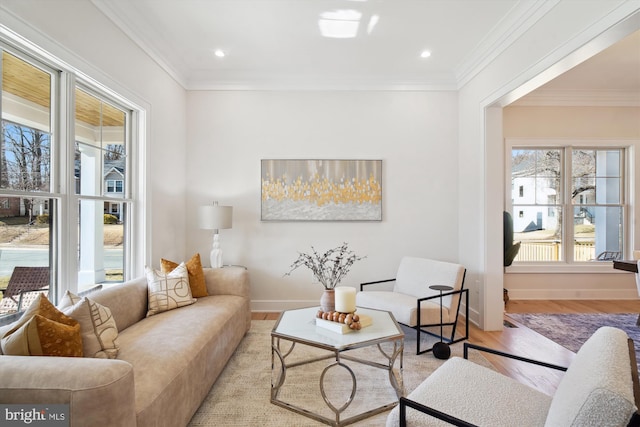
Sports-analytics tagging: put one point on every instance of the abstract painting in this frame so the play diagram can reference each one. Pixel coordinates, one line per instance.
(321, 190)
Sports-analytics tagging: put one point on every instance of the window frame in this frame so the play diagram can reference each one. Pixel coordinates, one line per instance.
(125, 198)
(628, 202)
(64, 243)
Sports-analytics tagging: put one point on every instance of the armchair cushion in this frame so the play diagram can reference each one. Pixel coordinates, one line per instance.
(404, 307)
(415, 275)
(412, 282)
(477, 395)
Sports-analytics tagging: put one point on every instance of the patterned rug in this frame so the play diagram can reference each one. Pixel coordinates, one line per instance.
(241, 395)
(572, 330)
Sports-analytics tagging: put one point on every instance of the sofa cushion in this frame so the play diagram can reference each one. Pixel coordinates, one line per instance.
(196, 274)
(43, 330)
(597, 389)
(127, 301)
(168, 291)
(168, 362)
(97, 326)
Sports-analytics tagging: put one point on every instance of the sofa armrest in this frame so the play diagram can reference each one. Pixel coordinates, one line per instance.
(231, 280)
(96, 390)
(408, 403)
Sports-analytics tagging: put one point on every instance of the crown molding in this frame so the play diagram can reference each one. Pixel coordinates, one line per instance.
(323, 84)
(519, 19)
(111, 10)
(579, 99)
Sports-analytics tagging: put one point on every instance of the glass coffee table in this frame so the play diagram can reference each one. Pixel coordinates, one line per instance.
(299, 327)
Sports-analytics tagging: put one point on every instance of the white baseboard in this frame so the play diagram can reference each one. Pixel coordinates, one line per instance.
(474, 315)
(572, 294)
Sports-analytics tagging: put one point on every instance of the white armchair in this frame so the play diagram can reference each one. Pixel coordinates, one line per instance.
(413, 304)
(600, 388)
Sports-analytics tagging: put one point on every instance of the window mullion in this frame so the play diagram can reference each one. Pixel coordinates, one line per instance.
(567, 207)
(69, 239)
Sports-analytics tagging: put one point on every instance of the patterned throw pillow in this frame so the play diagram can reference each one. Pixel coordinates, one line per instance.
(196, 274)
(43, 331)
(168, 290)
(97, 326)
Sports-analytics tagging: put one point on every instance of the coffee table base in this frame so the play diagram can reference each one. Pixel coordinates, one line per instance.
(394, 379)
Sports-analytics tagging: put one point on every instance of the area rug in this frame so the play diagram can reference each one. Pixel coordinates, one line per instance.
(572, 330)
(241, 395)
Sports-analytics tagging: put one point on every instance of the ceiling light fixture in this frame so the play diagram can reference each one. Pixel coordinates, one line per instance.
(425, 54)
(339, 24)
(219, 53)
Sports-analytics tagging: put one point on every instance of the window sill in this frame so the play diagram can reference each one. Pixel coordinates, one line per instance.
(597, 267)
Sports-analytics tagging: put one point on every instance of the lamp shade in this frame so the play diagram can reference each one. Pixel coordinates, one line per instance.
(214, 217)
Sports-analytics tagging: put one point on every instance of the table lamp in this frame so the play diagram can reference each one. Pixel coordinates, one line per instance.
(215, 217)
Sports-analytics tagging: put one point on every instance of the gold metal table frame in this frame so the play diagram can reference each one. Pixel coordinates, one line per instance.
(298, 327)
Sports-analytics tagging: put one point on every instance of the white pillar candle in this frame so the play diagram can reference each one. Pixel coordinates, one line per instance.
(345, 299)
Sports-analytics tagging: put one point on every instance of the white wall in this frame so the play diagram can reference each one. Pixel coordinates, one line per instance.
(76, 32)
(414, 133)
(526, 64)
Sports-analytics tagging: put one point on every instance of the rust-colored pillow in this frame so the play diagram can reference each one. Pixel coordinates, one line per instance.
(43, 330)
(196, 274)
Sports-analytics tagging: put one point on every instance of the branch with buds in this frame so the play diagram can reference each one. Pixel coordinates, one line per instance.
(330, 267)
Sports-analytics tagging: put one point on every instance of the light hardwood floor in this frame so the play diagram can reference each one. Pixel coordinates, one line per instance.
(525, 342)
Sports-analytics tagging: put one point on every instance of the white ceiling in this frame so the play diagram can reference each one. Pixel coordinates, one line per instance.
(272, 44)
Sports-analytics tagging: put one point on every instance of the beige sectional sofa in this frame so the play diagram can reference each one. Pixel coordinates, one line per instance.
(165, 367)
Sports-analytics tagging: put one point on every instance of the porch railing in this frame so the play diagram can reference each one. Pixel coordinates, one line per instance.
(550, 251)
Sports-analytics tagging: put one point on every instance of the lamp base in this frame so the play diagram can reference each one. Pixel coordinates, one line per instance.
(216, 253)
(441, 350)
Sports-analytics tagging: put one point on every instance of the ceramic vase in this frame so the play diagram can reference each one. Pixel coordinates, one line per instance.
(328, 300)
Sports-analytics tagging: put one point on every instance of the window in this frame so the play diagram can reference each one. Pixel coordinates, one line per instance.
(101, 153)
(41, 193)
(114, 186)
(575, 204)
(26, 167)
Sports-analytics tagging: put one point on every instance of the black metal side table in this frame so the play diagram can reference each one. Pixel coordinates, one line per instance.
(441, 349)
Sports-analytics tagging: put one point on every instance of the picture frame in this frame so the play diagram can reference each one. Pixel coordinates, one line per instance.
(321, 190)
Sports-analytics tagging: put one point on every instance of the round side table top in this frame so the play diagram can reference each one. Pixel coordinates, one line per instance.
(441, 288)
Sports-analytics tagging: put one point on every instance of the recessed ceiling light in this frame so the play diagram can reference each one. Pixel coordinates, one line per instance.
(219, 53)
(425, 54)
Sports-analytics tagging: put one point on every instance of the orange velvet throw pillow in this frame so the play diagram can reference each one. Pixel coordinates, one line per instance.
(196, 274)
(43, 330)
